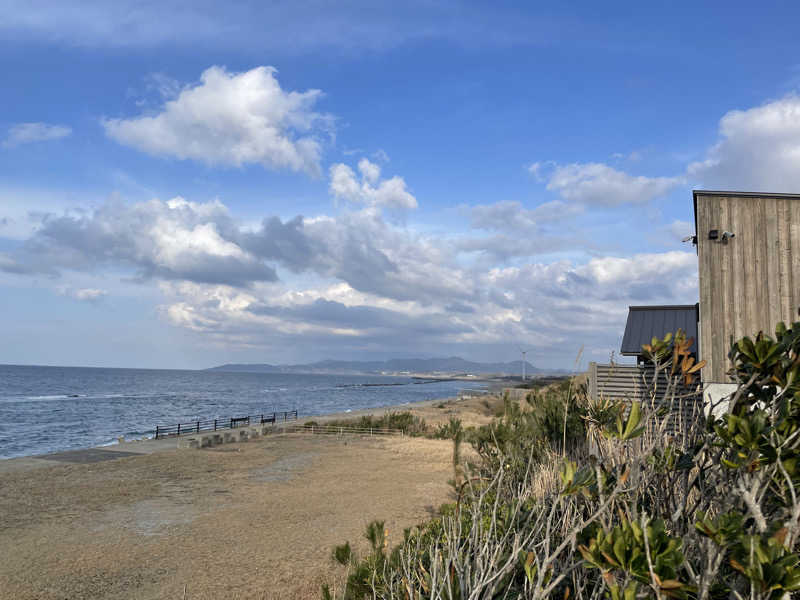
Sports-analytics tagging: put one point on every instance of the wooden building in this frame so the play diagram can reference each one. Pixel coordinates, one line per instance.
(748, 247)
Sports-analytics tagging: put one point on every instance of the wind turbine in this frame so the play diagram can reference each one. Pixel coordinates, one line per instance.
(524, 352)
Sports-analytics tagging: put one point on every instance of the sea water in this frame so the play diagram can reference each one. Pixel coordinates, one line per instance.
(47, 409)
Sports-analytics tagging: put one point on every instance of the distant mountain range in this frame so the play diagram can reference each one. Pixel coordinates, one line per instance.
(451, 366)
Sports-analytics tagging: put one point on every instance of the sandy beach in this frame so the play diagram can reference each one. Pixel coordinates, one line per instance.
(244, 520)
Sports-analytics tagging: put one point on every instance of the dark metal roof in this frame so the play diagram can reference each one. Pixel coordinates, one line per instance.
(646, 322)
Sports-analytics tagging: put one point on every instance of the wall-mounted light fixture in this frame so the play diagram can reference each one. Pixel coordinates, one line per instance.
(714, 236)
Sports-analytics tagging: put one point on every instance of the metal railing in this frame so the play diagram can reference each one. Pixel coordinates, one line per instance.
(473, 393)
(163, 431)
(337, 430)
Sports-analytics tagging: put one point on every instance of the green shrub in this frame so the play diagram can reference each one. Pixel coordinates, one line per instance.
(711, 511)
(449, 430)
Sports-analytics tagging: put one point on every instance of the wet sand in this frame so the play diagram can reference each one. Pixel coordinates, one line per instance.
(249, 520)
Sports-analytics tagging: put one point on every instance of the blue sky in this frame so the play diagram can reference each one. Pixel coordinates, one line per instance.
(188, 184)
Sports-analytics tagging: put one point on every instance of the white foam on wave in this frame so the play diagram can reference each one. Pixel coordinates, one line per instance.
(39, 398)
(67, 397)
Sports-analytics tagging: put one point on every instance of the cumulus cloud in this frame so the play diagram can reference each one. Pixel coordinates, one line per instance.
(175, 239)
(232, 119)
(553, 307)
(27, 133)
(643, 276)
(369, 189)
(354, 282)
(508, 215)
(598, 184)
(758, 150)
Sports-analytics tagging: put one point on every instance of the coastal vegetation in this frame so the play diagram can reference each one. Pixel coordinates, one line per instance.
(568, 496)
(407, 422)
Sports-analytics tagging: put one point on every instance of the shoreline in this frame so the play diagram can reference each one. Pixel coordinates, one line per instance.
(51, 436)
(241, 520)
(149, 445)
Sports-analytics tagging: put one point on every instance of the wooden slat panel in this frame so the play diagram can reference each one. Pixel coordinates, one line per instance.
(724, 253)
(631, 383)
(751, 283)
(784, 261)
(794, 257)
(716, 301)
(760, 270)
(706, 297)
(772, 312)
(738, 250)
(750, 289)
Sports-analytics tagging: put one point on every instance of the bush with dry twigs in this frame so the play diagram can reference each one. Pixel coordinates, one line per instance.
(657, 498)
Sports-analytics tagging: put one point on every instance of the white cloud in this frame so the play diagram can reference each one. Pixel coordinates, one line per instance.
(369, 171)
(641, 269)
(26, 133)
(602, 185)
(268, 28)
(758, 150)
(679, 229)
(381, 155)
(553, 308)
(173, 240)
(537, 169)
(353, 282)
(83, 294)
(232, 119)
(370, 190)
(510, 216)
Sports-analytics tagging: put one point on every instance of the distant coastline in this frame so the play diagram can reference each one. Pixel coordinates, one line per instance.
(451, 368)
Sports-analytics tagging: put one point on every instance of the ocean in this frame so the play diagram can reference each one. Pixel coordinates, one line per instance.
(48, 409)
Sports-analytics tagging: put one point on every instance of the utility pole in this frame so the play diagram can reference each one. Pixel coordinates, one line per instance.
(524, 352)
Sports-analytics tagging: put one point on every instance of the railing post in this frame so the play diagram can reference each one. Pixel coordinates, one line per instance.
(198, 427)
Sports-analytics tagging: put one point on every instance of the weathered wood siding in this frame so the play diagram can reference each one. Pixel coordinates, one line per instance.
(752, 282)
